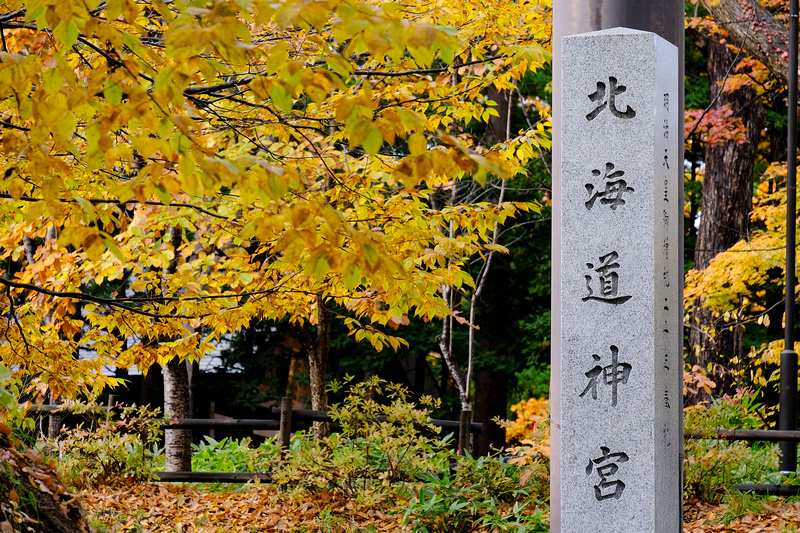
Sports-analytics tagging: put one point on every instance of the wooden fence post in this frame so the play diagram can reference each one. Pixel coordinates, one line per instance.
(53, 421)
(464, 432)
(286, 425)
(212, 409)
(113, 399)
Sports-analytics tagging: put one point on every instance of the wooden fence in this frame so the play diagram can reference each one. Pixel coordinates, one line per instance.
(286, 418)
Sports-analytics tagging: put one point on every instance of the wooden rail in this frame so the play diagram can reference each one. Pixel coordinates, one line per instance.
(286, 419)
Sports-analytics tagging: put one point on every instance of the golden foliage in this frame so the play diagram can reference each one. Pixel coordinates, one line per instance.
(531, 428)
(734, 284)
(172, 171)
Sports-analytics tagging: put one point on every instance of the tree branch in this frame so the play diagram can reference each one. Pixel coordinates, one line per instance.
(97, 201)
(769, 36)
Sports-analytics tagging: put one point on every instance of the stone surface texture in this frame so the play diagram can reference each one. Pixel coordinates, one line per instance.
(621, 285)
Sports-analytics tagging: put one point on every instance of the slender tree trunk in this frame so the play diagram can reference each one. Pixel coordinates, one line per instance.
(499, 127)
(725, 216)
(193, 371)
(498, 130)
(150, 390)
(318, 366)
(54, 420)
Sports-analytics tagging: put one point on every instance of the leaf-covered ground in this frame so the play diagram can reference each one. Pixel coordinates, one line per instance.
(778, 516)
(180, 508)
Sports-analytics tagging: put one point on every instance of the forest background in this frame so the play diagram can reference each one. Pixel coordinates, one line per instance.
(321, 189)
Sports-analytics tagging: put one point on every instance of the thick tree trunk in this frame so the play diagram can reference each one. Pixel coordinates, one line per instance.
(490, 403)
(176, 402)
(765, 38)
(318, 366)
(725, 216)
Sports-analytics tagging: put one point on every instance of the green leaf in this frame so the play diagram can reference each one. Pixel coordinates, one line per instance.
(281, 99)
(339, 65)
(7, 399)
(373, 142)
(5, 373)
(371, 254)
(86, 205)
(162, 79)
(31, 16)
(71, 35)
(360, 131)
(133, 42)
(352, 277)
(111, 244)
(321, 268)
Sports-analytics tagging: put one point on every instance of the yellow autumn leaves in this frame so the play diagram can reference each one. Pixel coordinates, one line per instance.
(293, 148)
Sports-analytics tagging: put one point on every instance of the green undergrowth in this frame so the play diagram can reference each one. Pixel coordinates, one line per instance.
(713, 466)
(387, 456)
(109, 450)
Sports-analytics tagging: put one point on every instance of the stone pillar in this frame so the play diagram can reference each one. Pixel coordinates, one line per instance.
(621, 280)
(663, 17)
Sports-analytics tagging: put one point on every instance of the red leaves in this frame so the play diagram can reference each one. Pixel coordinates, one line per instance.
(715, 126)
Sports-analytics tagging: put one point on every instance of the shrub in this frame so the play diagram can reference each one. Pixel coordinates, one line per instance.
(486, 492)
(384, 438)
(111, 452)
(532, 419)
(712, 466)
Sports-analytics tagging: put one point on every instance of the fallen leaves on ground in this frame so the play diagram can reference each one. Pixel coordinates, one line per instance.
(159, 507)
(182, 508)
(777, 516)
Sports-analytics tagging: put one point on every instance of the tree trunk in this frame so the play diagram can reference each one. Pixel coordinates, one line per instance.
(765, 38)
(193, 376)
(318, 366)
(176, 403)
(489, 404)
(499, 127)
(54, 420)
(151, 388)
(177, 442)
(725, 216)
